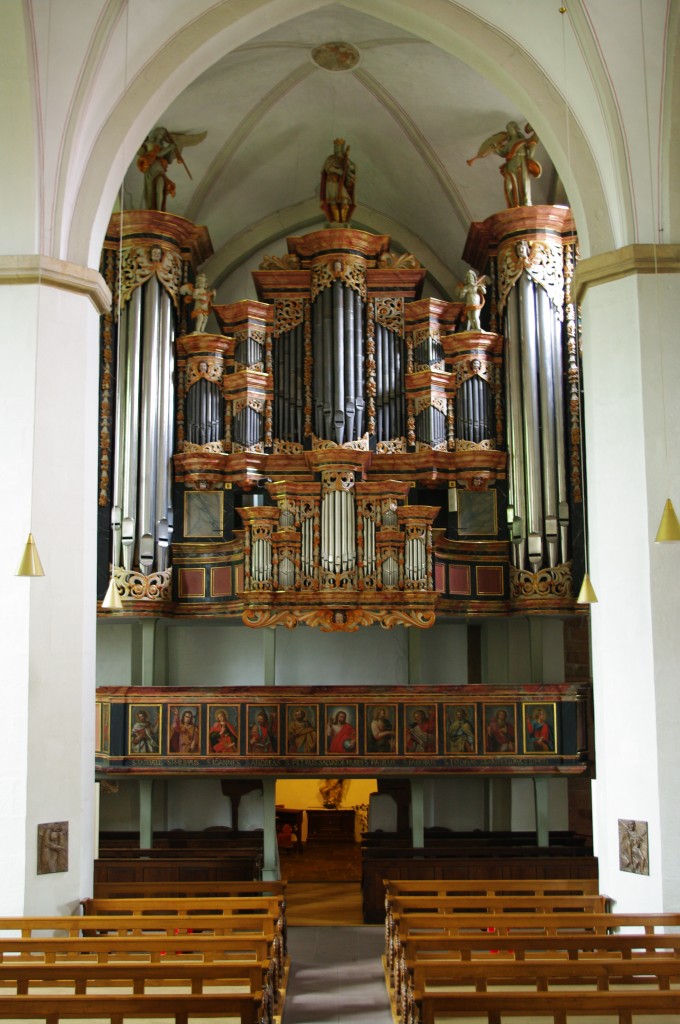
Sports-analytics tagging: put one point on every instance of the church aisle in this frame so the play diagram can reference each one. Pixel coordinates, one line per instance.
(336, 976)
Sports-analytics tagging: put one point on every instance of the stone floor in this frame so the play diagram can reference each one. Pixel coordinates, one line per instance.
(336, 976)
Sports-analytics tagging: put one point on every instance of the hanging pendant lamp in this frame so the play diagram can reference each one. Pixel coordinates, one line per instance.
(30, 564)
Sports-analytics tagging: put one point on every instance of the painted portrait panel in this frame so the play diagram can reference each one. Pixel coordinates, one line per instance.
(263, 729)
(540, 728)
(461, 729)
(145, 730)
(420, 729)
(381, 728)
(500, 729)
(302, 729)
(223, 731)
(341, 729)
(184, 730)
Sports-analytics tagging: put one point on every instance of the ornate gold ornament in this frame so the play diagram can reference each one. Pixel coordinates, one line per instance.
(389, 313)
(547, 582)
(289, 261)
(351, 270)
(141, 262)
(199, 367)
(135, 586)
(212, 446)
(541, 261)
(286, 447)
(470, 446)
(288, 313)
(395, 446)
(399, 261)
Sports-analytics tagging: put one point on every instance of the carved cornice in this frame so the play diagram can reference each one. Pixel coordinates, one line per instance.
(58, 274)
(624, 262)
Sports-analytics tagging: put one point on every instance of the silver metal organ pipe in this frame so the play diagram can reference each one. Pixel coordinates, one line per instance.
(547, 393)
(165, 407)
(527, 307)
(379, 397)
(359, 401)
(299, 382)
(327, 299)
(339, 352)
(132, 328)
(560, 439)
(121, 407)
(513, 391)
(317, 373)
(348, 344)
(337, 530)
(148, 439)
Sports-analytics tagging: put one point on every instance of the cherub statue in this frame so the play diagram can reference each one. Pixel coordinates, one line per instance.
(202, 296)
(155, 155)
(338, 182)
(473, 290)
(517, 149)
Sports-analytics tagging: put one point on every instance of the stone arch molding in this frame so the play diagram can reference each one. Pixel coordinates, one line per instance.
(199, 34)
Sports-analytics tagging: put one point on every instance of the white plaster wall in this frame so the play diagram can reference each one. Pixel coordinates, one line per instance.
(623, 514)
(215, 656)
(524, 807)
(372, 656)
(444, 655)
(60, 742)
(456, 803)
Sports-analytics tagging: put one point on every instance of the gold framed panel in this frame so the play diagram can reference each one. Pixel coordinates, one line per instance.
(460, 729)
(145, 723)
(342, 729)
(224, 733)
(262, 723)
(380, 729)
(420, 729)
(184, 730)
(204, 514)
(302, 729)
(500, 728)
(539, 721)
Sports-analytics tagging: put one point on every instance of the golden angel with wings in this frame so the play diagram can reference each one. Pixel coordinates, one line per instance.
(516, 148)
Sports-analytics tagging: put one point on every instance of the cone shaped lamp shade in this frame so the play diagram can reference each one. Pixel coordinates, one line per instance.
(112, 601)
(586, 594)
(669, 527)
(30, 564)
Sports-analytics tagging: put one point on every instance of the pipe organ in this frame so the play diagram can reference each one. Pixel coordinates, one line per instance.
(341, 451)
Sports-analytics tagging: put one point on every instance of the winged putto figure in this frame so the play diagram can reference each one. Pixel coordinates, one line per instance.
(155, 155)
(516, 148)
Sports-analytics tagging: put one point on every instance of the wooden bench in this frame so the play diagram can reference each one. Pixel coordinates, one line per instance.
(109, 948)
(524, 864)
(456, 977)
(184, 889)
(491, 886)
(399, 908)
(246, 1008)
(497, 1007)
(177, 868)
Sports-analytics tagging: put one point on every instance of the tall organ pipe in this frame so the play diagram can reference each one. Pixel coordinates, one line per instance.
(132, 329)
(318, 371)
(348, 345)
(560, 438)
(527, 307)
(165, 407)
(339, 362)
(516, 429)
(327, 361)
(359, 401)
(548, 453)
(299, 382)
(148, 440)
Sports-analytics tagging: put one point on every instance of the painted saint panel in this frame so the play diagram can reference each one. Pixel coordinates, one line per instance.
(420, 729)
(341, 729)
(184, 730)
(223, 729)
(263, 729)
(500, 729)
(540, 728)
(460, 736)
(145, 728)
(302, 729)
(381, 728)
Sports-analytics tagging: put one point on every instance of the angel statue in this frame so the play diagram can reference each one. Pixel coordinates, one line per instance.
(338, 181)
(517, 150)
(472, 290)
(202, 296)
(155, 155)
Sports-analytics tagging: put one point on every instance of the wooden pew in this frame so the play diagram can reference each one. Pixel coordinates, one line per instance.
(244, 1007)
(76, 978)
(628, 1008)
(110, 948)
(523, 863)
(185, 889)
(177, 868)
(399, 908)
(491, 886)
(429, 981)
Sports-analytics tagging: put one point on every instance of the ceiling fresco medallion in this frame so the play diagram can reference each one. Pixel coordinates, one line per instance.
(336, 56)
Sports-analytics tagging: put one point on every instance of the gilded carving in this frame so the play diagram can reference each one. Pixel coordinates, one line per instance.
(351, 270)
(399, 261)
(325, 444)
(142, 262)
(541, 261)
(208, 368)
(135, 586)
(487, 445)
(422, 402)
(395, 446)
(286, 447)
(548, 582)
(389, 313)
(288, 313)
(211, 446)
(289, 261)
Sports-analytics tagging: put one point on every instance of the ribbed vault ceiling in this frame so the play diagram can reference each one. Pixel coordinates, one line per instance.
(412, 114)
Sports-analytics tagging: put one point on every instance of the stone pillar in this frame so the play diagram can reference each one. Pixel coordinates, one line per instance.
(632, 382)
(48, 417)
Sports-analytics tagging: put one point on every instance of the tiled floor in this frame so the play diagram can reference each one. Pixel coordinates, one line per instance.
(336, 976)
